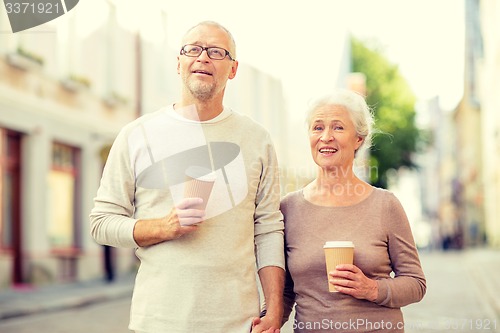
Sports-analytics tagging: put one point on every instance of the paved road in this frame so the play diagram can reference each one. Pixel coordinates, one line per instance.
(106, 317)
(463, 295)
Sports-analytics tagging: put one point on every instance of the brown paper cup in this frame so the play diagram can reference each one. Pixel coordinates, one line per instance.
(199, 184)
(336, 253)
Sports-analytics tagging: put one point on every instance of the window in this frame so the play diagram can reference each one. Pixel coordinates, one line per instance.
(63, 197)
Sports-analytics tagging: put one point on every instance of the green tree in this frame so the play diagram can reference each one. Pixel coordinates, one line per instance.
(393, 104)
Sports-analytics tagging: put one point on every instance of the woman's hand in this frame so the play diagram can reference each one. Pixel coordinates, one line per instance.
(350, 280)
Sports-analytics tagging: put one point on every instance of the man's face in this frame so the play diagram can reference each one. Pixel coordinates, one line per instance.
(203, 77)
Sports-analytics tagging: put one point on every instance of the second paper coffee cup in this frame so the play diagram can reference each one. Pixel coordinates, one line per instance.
(336, 253)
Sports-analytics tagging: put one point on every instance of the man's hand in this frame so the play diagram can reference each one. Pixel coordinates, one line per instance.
(182, 219)
(259, 325)
(272, 279)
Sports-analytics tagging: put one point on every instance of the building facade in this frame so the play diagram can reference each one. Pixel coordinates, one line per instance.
(477, 122)
(488, 83)
(61, 105)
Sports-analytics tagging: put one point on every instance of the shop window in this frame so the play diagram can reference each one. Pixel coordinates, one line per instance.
(63, 197)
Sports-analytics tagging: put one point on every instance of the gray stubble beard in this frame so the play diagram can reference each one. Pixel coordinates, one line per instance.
(201, 90)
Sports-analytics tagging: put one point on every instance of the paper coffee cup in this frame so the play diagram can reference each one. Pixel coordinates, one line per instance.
(199, 184)
(336, 253)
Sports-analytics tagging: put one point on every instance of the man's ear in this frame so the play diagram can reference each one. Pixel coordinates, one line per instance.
(178, 64)
(234, 69)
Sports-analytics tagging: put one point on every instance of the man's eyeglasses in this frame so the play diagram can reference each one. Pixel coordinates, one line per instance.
(215, 53)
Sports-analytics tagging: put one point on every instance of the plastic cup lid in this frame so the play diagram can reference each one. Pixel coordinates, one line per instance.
(338, 244)
(201, 173)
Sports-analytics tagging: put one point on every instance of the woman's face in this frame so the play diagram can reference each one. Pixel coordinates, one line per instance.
(332, 137)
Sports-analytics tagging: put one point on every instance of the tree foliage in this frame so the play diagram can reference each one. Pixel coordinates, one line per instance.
(393, 104)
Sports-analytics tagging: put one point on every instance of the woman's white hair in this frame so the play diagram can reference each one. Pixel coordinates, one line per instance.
(355, 104)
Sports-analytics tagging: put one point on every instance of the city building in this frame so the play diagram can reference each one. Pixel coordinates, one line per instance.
(437, 167)
(471, 186)
(488, 83)
(476, 188)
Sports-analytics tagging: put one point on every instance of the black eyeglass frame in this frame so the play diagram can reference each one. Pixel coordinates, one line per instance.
(183, 52)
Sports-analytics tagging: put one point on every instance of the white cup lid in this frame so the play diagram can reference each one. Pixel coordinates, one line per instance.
(201, 173)
(338, 244)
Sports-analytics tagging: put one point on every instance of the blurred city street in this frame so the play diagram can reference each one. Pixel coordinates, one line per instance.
(462, 296)
(69, 86)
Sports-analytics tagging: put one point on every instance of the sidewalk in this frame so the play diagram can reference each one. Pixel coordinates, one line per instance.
(28, 301)
(462, 293)
(483, 265)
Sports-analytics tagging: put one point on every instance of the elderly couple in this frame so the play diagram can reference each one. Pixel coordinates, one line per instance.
(201, 268)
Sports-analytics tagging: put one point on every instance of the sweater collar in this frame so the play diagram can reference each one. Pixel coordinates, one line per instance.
(226, 112)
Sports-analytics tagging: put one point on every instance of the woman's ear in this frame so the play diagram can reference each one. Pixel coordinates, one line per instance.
(359, 142)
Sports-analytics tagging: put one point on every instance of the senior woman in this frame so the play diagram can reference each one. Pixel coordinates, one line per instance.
(337, 205)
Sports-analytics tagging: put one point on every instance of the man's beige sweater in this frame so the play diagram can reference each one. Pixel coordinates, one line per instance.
(204, 281)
